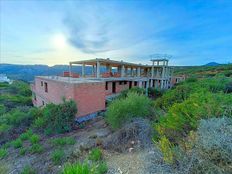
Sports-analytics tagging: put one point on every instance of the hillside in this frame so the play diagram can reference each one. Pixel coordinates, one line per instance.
(186, 129)
(27, 72)
(204, 71)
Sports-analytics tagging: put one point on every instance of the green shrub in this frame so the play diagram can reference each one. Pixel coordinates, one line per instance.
(60, 118)
(228, 88)
(154, 93)
(95, 154)
(57, 156)
(28, 170)
(137, 90)
(183, 117)
(39, 123)
(34, 139)
(2, 109)
(26, 135)
(4, 128)
(166, 148)
(191, 79)
(3, 153)
(210, 150)
(17, 143)
(36, 148)
(63, 141)
(77, 168)
(101, 168)
(22, 151)
(121, 110)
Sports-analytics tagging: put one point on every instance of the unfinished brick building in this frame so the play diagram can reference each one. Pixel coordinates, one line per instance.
(91, 91)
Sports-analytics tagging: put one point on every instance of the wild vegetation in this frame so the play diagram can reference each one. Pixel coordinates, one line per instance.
(183, 117)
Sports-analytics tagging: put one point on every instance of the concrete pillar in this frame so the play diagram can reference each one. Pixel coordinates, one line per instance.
(147, 86)
(151, 84)
(122, 71)
(93, 70)
(83, 70)
(119, 69)
(70, 69)
(140, 84)
(98, 69)
(125, 71)
(152, 70)
(163, 71)
(161, 85)
(138, 71)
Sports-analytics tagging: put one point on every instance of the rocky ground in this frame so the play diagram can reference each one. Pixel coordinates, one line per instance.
(128, 150)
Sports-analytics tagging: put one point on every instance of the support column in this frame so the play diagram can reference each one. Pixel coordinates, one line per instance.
(93, 70)
(131, 71)
(83, 70)
(161, 85)
(151, 84)
(125, 71)
(140, 84)
(122, 71)
(163, 71)
(147, 86)
(70, 69)
(139, 72)
(98, 69)
(152, 70)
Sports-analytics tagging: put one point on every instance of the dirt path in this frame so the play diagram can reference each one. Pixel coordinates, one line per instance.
(147, 161)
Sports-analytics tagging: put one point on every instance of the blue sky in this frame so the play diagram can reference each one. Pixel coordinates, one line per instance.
(56, 32)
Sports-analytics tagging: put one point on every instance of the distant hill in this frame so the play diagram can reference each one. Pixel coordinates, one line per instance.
(212, 64)
(27, 72)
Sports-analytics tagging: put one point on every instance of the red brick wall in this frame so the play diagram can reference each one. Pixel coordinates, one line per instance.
(90, 97)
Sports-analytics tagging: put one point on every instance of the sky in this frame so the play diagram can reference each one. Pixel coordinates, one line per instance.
(193, 32)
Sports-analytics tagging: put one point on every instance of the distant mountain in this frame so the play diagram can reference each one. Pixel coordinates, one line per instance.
(27, 72)
(212, 64)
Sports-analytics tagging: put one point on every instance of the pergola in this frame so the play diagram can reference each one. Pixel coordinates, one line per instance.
(121, 66)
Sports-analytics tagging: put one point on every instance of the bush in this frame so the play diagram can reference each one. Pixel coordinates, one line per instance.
(154, 93)
(36, 148)
(3, 153)
(17, 143)
(22, 151)
(166, 148)
(34, 139)
(28, 170)
(228, 88)
(85, 168)
(137, 90)
(121, 110)
(211, 150)
(39, 123)
(183, 117)
(95, 154)
(77, 168)
(57, 156)
(63, 141)
(101, 168)
(26, 135)
(60, 118)
(2, 109)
